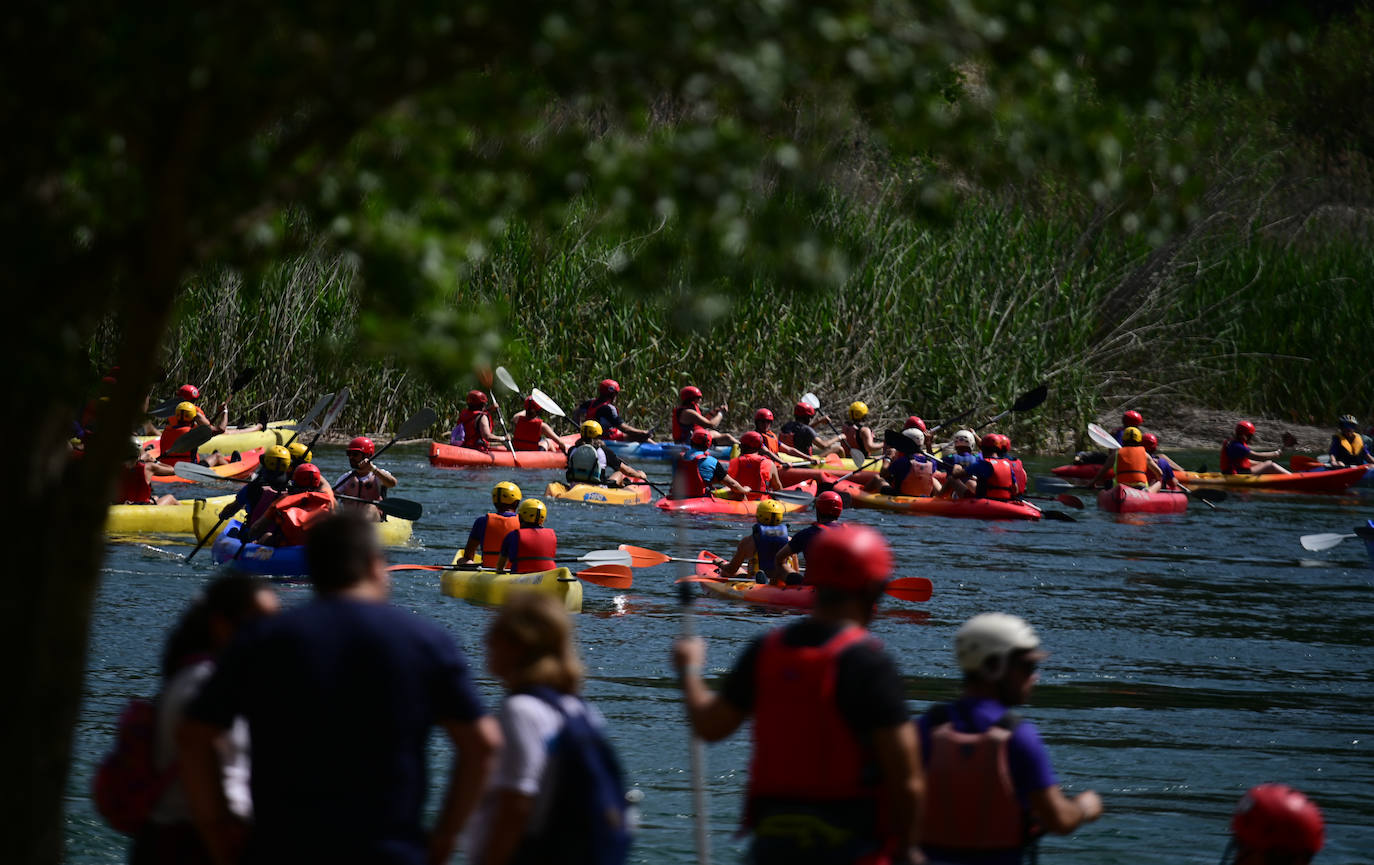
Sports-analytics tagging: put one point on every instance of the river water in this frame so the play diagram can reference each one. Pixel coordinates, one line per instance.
(1193, 655)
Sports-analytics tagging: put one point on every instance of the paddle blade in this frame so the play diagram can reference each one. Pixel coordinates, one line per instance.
(1102, 438)
(1031, 398)
(484, 377)
(1058, 516)
(242, 379)
(191, 441)
(610, 576)
(1071, 501)
(419, 422)
(401, 509)
(1207, 494)
(164, 409)
(546, 402)
(315, 411)
(506, 381)
(909, 589)
(796, 497)
(643, 557)
(200, 474)
(810, 399)
(1326, 541)
(893, 439)
(607, 557)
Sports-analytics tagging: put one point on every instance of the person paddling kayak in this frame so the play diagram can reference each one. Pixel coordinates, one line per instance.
(1131, 466)
(529, 431)
(1167, 467)
(185, 418)
(364, 480)
(759, 549)
(269, 482)
(135, 480)
(490, 529)
(857, 434)
(473, 429)
(753, 468)
(828, 506)
(910, 474)
(799, 433)
(687, 416)
(1348, 447)
(591, 463)
(763, 425)
(603, 410)
(530, 548)
(289, 518)
(1236, 454)
(698, 471)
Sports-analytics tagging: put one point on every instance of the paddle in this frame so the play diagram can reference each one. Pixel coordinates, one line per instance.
(643, 557)
(695, 748)
(611, 576)
(305, 423)
(190, 442)
(1108, 441)
(546, 402)
(1304, 463)
(422, 419)
(484, 379)
(335, 409)
(1027, 401)
(595, 557)
(1327, 541)
(903, 588)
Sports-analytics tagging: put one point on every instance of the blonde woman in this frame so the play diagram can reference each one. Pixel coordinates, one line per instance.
(556, 795)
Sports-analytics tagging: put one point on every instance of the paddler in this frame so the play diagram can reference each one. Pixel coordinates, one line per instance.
(687, 417)
(759, 548)
(364, 480)
(857, 434)
(990, 477)
(763, 425)
(268, 483)
(1236, 454)
(603, 410)
(698, 471)
(1167, 467)
(799, 433)
(1132, 466)
(908, 474)
(1348, 447)
(1018, 470)
(289, 518)
(828, 507)
(473, 429)
(1274, 824)
(531, 548)
(136, 480)
(528, 430)
(300, 454)
(753, 468)
(590, 462)
(191, 393)
(1131, 418)
(185, 418)
(490, 529)
(963, 455)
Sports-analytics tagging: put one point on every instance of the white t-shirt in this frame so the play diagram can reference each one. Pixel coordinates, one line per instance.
(232, 747)
(528, 728)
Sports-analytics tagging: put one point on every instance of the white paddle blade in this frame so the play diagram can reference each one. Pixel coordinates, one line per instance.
(506, 381)
(1102, 438)
(607, 557)
(1324, 541)
(810, 400)
(543, 400)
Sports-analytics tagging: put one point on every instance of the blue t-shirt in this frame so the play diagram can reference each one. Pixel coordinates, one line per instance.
(479, 529)
(962, 459)
(608, 417)
(1237, 452)
(340, 696)
(980, 469)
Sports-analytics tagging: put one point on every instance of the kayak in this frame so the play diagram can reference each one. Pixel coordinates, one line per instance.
(831, 462)
(1118, 499)
(447, 456)
(275, 434)
(935, 506)
(800, 597)
(258, 558)
(1329, 481)
(635, 494)
(242, 469)
(796, 474)
(1080, 471)
(664, 452)
(734, 507)
(488, 587)
(189, 517)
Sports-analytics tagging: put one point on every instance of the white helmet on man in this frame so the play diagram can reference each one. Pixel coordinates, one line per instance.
(916, 436)
(965, 436)
(990, 636)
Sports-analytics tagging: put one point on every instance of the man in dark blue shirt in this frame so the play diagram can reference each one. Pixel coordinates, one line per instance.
(340, 695)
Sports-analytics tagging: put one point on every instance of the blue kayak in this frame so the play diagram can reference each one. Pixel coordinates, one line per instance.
(256, 558)
(664, 452)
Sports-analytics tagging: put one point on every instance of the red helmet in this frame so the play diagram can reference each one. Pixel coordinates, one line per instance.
(607, 387)
(829, 504)
(1245, 428)
(752, 440)
(850, 557)
(531, 406)
(307, 476)
(801, 409)
(476, 397)
(989, 442)
(690, 393)
(763, 414)
(701, 437)
(188, 392)
(1151, 442)
(914, 422)
(1132, 418)
(362, 445)
(1003, 442)
(1277, 817)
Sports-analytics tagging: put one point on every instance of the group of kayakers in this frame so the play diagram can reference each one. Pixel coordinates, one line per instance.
(513, 536)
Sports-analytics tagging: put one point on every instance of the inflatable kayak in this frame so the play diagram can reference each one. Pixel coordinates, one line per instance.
(797, 474)
(447, 456)
(800, 597)
(732, 507)
(935, 506)
(1118, 499)
(257, 558)
(487, 587)
(663, 452)
(1079, 472)
(635, 494)
(275, 434)
(831, 463)
(1329, 481)
(241, 469)
(190, 517)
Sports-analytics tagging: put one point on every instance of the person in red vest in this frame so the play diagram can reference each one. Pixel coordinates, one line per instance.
(136, 480)
(753, 468)
(836, 774)
(1131, 465)
(1236, 453)
(603, 410)
(530, 548)
(185, 418)
(763, 425)
(289, 518)
(1275, 825)
(473, 429)
(688, 417)
(528, 430)
(490, 529)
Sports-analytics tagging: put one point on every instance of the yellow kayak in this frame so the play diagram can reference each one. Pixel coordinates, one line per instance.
(487, 587)
(275, 434)
(187, 517)
(393, 532)
(635, 494)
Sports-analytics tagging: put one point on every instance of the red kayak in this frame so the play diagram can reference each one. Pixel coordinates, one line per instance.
(797, 474)
(1118, 499)
(712, 583)
(451, 457)
(1080, 471)
(241, 469)
(938, 506)
(1329, 481)
(732, 507)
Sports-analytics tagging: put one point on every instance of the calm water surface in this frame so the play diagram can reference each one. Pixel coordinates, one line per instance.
(1193, 655)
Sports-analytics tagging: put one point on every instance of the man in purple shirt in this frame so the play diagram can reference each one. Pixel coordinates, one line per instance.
(991, 791)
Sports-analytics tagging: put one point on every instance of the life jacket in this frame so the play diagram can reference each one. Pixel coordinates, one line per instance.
(851, 436)
(971, 802)
(367, 486)
(498, 526)
(749, 470)
(296, 513)
(534, 550)
(1351, 450)
(527, 432)
(1018, 475)
(267, 494)
(918, 478)
(798, 435)
(1000, 484)
(1131, 464)
(594, 412)
(803, 748)
(586, 464)
(167, 443)
(681, 434)
(467, 424)
(768, 540)
(770, 440)
(134, 488)
(1228, 465)
(687, 480)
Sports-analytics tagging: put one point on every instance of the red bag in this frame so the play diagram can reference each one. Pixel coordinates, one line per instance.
(128, 785)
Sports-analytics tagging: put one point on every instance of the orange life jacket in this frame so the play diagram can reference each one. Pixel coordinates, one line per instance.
(1131, 463)
(498, 526)
(770, 440)
(296, 513)
(167, 443)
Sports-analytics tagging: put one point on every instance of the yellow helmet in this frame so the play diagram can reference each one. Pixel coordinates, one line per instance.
(186, 410)
(505, 494)
(1131, 436)
(858, 410)
(276, 459)
(591, 429)
(300, 453)
(770, 512)
(532, 512)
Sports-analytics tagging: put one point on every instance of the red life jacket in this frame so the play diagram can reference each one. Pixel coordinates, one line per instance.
(971, 802)
(498, 526)
(751, 470)
(607, 432)
(1018, 474)
(770, 440)
(534, 550)
(1001, 484)
(296, 513)
(680, 433)
(527, 433)
(803, 748)
(134, 488)
(1228, 466)
(467, 421)
(166, 444)
(687, 482)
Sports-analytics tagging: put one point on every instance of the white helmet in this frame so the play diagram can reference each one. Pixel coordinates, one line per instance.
(991, 635)
(915, 435)
(966, 436)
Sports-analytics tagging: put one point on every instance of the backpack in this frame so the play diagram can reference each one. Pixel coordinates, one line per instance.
(588, 819)
(127, 784)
